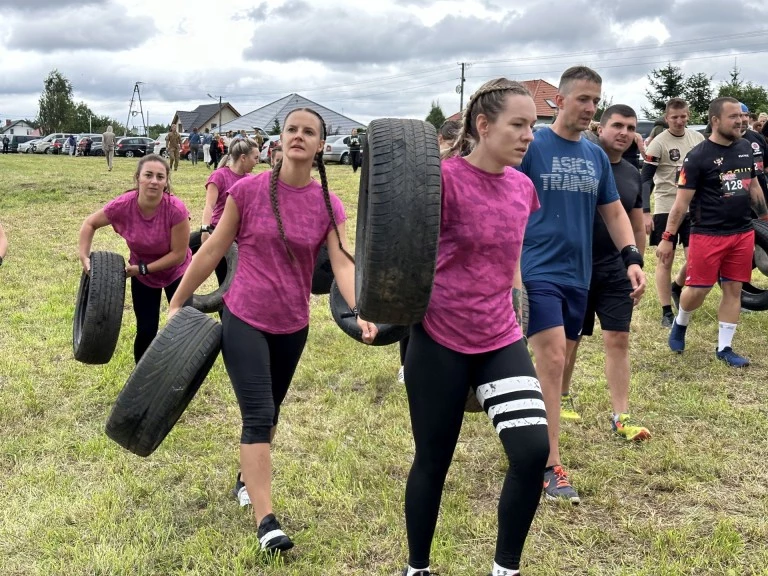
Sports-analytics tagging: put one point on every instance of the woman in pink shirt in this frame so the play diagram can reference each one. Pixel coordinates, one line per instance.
(469, 339)
(280, 219)
(155, 225)
(243, 156)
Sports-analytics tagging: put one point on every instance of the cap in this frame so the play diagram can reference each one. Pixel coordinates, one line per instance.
(744, 108)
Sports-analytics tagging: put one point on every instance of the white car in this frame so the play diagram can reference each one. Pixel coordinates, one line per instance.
(28, 147)
(337, 149)
(264, 155)
(160, 143)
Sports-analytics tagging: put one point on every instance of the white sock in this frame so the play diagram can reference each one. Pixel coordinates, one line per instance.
(725, 335)
(499, 571)
(683, 317)
(414, 571)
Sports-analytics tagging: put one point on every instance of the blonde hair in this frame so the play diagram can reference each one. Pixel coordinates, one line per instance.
(489, 101)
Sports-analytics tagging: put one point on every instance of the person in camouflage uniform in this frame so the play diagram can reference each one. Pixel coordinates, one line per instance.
(173, 147)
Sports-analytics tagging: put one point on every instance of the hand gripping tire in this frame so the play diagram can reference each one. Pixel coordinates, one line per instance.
(164, 381)
(323, 274)
(388, 333)
(753, 298)
(214, 301)
(99, 309)
(398, 221)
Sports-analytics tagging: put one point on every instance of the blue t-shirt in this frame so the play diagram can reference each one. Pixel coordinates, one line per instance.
(207, 139)
(571, 179)
(194, 139)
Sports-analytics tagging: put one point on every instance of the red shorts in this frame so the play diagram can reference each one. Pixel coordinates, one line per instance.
(713, 257)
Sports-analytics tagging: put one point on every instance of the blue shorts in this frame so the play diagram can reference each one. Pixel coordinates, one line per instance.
(551, 305)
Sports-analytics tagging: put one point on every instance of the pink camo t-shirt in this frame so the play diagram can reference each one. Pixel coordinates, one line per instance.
(269, 292)
(223, 178)
(149, 239)
(481, 231)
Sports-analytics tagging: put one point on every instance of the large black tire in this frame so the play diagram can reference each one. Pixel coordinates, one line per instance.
(164, 381)
(214, 301)
(398, 221)
(323, 274)
(99, 309)
(388, 333)
(753, 298)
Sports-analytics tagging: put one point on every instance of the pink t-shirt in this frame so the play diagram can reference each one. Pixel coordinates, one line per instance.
(223, 178)
(269, 292)
(481, 231)
(149, 239)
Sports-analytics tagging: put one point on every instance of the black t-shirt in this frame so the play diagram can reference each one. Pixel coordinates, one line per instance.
(631, 155)
(720, 177)
(605, 255)
(758, 144)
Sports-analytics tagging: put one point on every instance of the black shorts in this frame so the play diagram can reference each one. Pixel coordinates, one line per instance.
(660, 224)
(608, 298)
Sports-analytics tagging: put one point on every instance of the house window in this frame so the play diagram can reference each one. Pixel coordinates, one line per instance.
(551, 104)
(181, 128)
(11, 130)
(213, 125)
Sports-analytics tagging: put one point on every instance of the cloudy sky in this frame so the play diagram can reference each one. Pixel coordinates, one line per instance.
(364, 59)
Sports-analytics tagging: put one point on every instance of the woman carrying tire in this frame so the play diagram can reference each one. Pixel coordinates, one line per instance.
(155, 225)
(279, 218)
(469, 338)
(243, 156)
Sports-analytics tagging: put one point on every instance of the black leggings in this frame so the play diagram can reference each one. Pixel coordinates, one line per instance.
(260, 366)
(403, 349)
(146, 306)
(506, 386)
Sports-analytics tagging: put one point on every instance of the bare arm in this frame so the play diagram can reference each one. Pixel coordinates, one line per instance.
(758, 200)
(207, 258)
(517, 288)
(178, 253)
(617, 222)
(95, 221)
(638, 228)
(679, 209)
(3, 242)
(640, 144)
(211, 195)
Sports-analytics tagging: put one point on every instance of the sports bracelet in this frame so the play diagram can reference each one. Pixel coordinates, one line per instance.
(143, 269)
(631, 255)
(667, 235)
(1, 260)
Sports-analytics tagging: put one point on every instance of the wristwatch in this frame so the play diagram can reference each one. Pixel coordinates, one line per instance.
(206, 228)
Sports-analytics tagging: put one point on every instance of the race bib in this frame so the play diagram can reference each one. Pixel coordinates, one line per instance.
(735, 183)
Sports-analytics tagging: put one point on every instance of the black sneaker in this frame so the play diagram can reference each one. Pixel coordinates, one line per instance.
(677, 290)
(667, 319)
(240, 492)
(271, 537)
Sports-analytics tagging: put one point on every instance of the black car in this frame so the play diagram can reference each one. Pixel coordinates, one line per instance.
(134, 146)
(17, 139)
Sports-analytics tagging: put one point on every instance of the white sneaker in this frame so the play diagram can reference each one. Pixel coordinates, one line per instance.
(240, 492)
(401, 375)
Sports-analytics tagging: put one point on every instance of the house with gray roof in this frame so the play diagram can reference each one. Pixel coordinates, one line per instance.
(205, 116)
(265, 116)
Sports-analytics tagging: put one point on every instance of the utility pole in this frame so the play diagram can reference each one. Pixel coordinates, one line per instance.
(460, 87)
(214, 98)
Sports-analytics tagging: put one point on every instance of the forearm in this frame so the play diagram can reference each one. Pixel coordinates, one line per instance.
(675, 217)
(85, 240)
(3, 243)
(638, 229)
(168, 261)
(344, 272)
(620, 229)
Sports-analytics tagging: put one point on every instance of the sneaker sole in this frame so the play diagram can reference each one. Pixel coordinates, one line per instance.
(573, 500)
(639, 437)
(282, 545)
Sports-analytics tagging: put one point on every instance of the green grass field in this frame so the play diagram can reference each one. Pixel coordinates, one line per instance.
(691, 501)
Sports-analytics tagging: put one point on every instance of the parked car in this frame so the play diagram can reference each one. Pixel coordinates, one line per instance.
(160, 143)
(96, 145)
(134, 146)
(17, 140)
(337, 149)
(56, 146)
(42, 146)
(28, 146)
(266, 150)
(184, 153)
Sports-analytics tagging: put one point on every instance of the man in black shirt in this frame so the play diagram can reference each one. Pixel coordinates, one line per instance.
(758, 144)
(354, 150)
(610, 289)
(718, 182)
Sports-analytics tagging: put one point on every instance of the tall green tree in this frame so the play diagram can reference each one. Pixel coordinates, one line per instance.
(665, 83)
(698, 94)
(276, 130)
(753, 95)
(605, 103)
(56, 105)
(436, 116)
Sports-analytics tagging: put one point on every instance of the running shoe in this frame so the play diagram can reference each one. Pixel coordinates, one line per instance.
(424, 572)
(568, 410)
(271, 536)
(677, 338)
(624, 427)
(557, 486)
(677, 290)
(730, 357)
(667, 319)
(240, 492)
(401, 375)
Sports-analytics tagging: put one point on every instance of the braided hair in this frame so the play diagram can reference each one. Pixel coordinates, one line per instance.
(323, 180)
(489, 101)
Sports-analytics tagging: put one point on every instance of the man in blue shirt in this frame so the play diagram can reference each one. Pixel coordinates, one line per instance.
(573, 177)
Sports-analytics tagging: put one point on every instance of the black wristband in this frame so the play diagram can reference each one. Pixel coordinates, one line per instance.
(1, 260)
(631, 255)
(143, 269)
